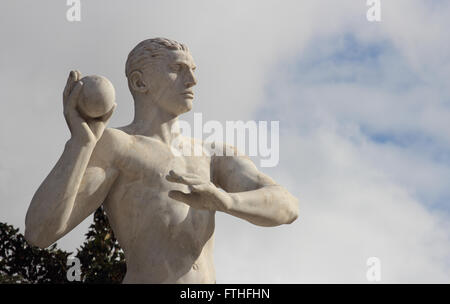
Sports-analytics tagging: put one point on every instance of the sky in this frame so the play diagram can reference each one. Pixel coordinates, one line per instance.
(364, 112)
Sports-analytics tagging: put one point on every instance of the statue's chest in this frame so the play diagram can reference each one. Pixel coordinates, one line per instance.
(151, 160)
(140, 203)
(147, 165)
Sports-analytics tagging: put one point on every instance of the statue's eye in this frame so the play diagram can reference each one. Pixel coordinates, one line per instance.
(176, 67)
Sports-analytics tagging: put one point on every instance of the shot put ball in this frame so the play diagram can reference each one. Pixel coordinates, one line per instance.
(97, 96)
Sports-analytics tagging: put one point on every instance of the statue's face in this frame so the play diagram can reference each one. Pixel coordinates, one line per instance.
(170, 81)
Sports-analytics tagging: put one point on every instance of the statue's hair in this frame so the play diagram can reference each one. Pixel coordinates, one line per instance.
(149, 50)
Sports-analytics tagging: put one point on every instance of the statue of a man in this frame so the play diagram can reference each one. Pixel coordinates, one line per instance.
(161, 206)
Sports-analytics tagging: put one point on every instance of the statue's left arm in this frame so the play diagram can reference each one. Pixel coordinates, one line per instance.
(248, 193)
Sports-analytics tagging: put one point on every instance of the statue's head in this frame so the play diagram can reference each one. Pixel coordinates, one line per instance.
(162, 69)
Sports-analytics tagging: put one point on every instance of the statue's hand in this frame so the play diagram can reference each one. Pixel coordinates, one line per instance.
(202, 193)
(83, 130)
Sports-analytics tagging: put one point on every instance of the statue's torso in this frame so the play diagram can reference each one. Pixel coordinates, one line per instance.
(164, 240)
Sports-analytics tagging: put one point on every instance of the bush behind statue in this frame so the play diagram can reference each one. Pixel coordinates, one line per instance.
(102, 259)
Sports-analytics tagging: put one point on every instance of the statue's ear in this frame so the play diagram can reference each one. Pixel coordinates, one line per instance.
(137, 82)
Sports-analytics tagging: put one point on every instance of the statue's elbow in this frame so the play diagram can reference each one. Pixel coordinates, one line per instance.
(33, 238)
(30, 237)
(292, 218)
(292, 212)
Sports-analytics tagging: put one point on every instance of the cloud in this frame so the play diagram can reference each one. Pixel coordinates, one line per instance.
(350, 211)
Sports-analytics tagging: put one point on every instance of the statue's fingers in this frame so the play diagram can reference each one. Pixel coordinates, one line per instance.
(189, 175)
(78, 75)
(184, 180)
(176, 179)
(74, 95)
(97, 126)
(192, 181)
(85, 126)
(108, 115)
(179, 196)
(199, 188)
(69, 84)
(171, 178)
(174, 174)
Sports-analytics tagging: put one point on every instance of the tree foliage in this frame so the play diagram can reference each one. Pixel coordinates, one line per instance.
(102, 259)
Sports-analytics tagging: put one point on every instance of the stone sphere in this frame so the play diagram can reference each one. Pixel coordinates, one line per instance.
(97, 96)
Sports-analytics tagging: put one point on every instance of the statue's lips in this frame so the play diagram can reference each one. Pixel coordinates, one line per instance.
(188, 94)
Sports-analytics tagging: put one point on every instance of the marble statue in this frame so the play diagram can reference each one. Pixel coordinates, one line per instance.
(161, 206)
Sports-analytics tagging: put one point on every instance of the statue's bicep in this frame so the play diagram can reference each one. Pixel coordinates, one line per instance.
(238, 174)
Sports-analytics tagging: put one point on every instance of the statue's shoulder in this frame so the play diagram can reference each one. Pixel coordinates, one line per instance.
(113, 144)
(116, 137)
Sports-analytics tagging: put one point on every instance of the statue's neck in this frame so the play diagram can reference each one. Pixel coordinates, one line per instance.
(152, 121)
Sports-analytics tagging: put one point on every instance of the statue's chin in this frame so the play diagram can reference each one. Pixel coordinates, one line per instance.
(186, 106)
(189, 105)
(179, 107)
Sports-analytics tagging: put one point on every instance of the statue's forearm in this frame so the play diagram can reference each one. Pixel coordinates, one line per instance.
(268, 206)
(52, 203)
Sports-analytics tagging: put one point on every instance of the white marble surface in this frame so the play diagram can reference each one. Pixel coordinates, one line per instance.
(161, 206)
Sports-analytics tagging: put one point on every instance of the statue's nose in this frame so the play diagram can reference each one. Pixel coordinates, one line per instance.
(191, 80)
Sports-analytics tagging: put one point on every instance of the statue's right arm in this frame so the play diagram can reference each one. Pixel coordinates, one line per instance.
(80, 180)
